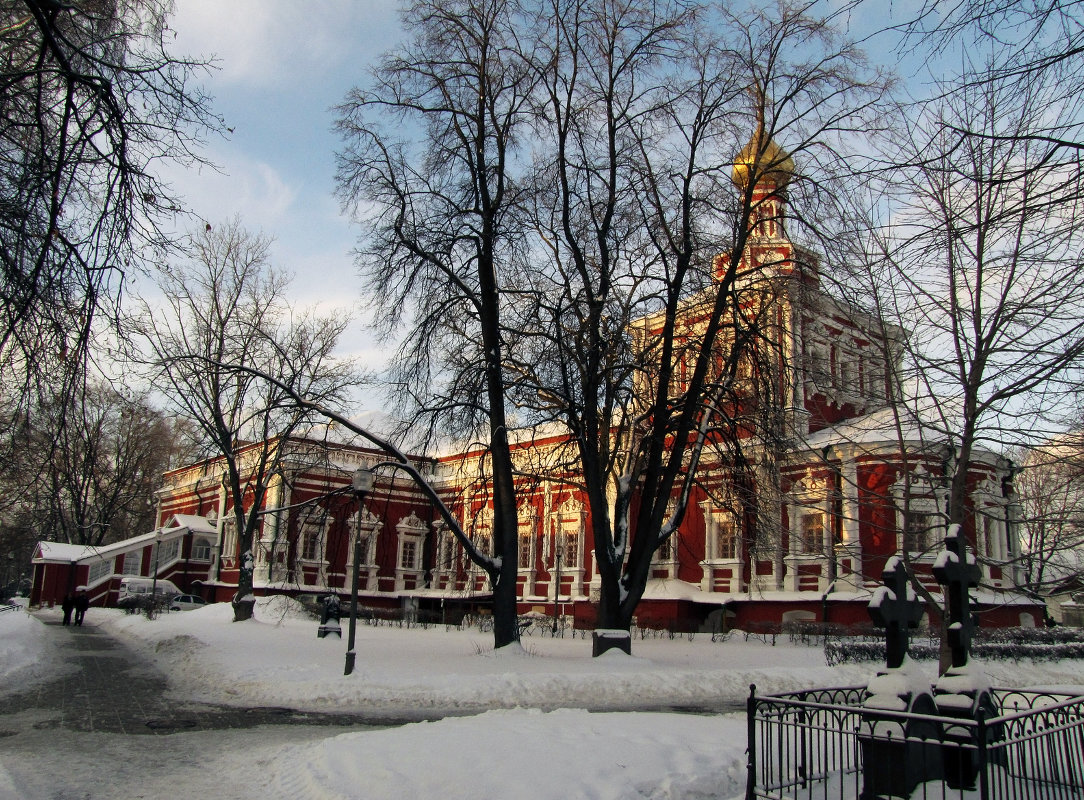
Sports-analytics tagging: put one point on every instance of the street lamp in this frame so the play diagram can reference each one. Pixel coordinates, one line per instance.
(154, 578)
(362, 483)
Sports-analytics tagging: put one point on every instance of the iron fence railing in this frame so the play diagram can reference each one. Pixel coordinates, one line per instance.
(822, 744)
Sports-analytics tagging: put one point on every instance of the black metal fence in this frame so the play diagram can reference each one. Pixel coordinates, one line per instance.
(824, 744)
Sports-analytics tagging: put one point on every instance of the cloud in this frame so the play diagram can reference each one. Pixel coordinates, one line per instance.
(269, 43)
(251, 189)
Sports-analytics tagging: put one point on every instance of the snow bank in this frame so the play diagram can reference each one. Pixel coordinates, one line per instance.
(277, 659)
(29, 655)
(528, 754)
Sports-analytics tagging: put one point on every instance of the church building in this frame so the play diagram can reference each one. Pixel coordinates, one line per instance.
(801, 533)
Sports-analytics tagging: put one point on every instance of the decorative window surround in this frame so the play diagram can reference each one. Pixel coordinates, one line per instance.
(920, 524)
(664, 561)
(370, 533)
(311, 550)
(567, 524)
(408, 558)
(528, 528)
(723, 549)
(810, 514)
(446, 567)
(992, 533)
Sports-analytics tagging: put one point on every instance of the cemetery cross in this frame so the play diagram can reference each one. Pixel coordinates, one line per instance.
(957, 573)
(896, 611)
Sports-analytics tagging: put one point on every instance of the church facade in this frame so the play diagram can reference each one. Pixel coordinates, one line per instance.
(801, 533)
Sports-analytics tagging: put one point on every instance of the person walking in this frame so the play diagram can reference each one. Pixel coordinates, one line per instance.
(67, 605)
(82, 603)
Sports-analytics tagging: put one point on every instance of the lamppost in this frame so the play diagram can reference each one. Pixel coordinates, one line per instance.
(154, 578)
(557, 544)
(363, 483)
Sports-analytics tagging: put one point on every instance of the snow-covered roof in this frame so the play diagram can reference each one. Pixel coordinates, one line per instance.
(674, 589)
(192, 522)
(64, 552)
(875, 428)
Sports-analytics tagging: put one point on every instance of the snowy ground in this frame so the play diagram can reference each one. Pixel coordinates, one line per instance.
(518, 726)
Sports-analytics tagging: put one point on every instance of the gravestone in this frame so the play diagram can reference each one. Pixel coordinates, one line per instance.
(962, 692)
(956, 570)
(898, 754)
(897, 609)
(329, 617)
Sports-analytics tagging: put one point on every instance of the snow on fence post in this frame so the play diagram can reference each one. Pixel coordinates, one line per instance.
(603, 639)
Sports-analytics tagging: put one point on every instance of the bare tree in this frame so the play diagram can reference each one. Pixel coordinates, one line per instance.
(1050, 491)
(91, 103)
(978, 261)
(983, 254)
(653, 323)
(103, 456)
(429, 166)
(225, 314)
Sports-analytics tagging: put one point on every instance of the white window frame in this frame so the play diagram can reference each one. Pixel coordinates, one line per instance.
(314, 531)
(409, 544)
(526, 554)
(809, 496)
(926, 499)
(370, 530)
(199, 545)
(99, 570)
(411, 536)
(133, 563)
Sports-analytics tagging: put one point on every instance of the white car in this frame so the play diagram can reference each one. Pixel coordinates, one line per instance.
(186, 602)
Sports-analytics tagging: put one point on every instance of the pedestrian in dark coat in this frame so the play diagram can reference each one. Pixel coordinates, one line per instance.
(82, 603)
(67, 606)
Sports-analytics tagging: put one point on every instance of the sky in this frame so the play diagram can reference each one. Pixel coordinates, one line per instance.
(281, 67)
(519, 728)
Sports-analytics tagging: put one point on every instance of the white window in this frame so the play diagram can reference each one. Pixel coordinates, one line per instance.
(570, 554)
(408, 554)
(132, 563)
(726, 544)
(169, 551)
(526, 550)
(820, 371)
(918, 531)
(446, 551)
(99, 570)
(312, 541)
(666, 549)
(875, 383)
(812, 534)
(201, 549)
(370, 527)
(920, 524)
(847, 382)
(994, 533)
(365, 548)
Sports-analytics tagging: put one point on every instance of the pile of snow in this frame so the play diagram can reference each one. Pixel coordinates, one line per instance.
(526, 754)
(26, 652)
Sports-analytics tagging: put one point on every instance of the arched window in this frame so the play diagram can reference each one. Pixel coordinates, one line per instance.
(201, 549)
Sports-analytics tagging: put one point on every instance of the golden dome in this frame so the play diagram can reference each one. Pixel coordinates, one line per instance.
(776, 167)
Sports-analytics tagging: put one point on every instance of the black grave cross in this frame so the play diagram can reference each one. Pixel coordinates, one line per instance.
(896, 612)
(957, 573)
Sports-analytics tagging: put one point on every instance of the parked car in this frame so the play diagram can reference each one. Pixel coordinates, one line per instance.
(135, 593)
(186, 602)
